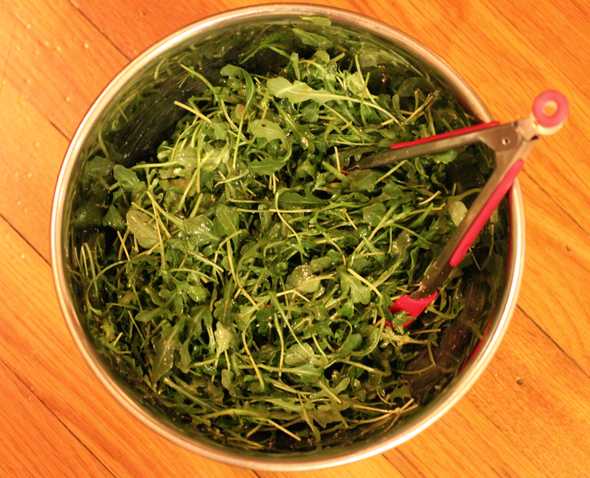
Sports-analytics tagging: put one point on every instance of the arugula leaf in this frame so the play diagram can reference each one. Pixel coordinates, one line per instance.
(200, 229)
(298, 91)
(185, 358)
(143, 228)
(294, 200)
(127, 179)
(268, 130)
(352, 342)
(363, 180)
(373, 213)
(312, 39)
(266, 167)
(303, 280)
(226, 220)
(113, 218)
(298, 354)
(148, 315)
(457, 211)
(166, 346)
(351, 286)
(224, 338)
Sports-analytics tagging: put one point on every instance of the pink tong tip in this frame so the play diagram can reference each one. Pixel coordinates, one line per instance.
(412, 307)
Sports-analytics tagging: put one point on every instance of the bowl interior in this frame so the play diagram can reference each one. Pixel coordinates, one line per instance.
(136, 112)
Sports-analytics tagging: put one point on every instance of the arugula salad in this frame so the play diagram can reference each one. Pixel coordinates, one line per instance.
(237, 275)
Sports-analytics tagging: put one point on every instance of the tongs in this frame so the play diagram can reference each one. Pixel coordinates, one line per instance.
(511, 143)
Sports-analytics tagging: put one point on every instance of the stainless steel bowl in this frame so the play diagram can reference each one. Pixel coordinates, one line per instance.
(138, 73)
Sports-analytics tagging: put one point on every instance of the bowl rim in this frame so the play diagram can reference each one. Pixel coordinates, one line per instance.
(331, 457)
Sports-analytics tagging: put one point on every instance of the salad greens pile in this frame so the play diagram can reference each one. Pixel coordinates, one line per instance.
(238, 276)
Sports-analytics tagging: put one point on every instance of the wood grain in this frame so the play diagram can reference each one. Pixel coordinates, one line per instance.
(528, 415)
(28, 169)
(58, 61)
(32, 430)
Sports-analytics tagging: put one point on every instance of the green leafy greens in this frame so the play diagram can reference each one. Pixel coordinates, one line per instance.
(238, 275)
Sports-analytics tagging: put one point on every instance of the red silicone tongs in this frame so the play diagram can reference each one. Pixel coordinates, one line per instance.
(511, 143)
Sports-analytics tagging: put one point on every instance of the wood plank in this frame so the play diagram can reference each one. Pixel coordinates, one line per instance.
(30, 430)
(561, 66)
(28, 169)
(58, 61)
(35, 342)
(114, 22)
(557, 269)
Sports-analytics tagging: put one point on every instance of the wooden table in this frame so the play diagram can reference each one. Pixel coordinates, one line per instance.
(529, 414)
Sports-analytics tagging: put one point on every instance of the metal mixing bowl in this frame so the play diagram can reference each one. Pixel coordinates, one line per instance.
(136, 77)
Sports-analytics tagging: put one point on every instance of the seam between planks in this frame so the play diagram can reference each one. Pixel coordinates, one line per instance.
(57, 128)
(554, 342)
(5, 219)
(50, 410)
(409, 462)
(96, 27)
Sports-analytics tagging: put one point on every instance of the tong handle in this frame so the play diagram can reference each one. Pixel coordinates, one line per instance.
(483, 214)
(432, 144)
(511, 143)
(458, 245)
(449, 134)
(550, 110)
